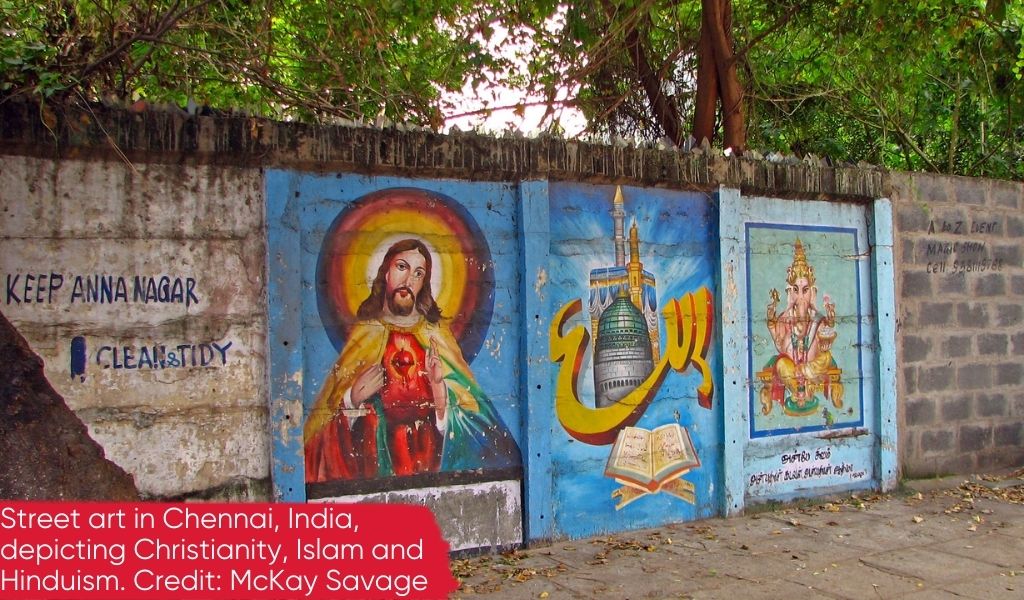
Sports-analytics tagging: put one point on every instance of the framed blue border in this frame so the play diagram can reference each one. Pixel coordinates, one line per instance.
(750, 332)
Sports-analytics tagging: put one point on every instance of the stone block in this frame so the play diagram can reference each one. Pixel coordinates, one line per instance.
(936, 441)
(993, 284)
(974, 377)
(1017, 284)
(915, 284)
(1009, 434)
(1009, 314)
(911, 218)
(972, 314)
(915, 349)
(992, 343)
(1017, 340)
(935, 189)
(990, 405)
(1009, 374)
(951, 219)
(907, 249)
(969, 192)
(479, 515)
(956, 463)
(910, 380)
(935, 379)
(1009, 254)
(994, 459)
(975, 437)
(956, 409)
(956, 346)
(1007, 194)
(953, 283)
(920, 412)
(1014, 227)
(935, 313)
(983, 225)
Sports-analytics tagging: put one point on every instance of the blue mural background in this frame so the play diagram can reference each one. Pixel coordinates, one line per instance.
(678, 245)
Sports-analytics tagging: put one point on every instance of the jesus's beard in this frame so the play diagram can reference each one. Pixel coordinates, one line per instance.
(401, 305)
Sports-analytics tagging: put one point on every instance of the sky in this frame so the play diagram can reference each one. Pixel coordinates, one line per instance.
(528, 120)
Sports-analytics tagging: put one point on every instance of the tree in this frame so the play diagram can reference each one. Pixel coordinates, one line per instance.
(932, 84)
(305, 59)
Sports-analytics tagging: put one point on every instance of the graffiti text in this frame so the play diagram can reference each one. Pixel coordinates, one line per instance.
(47, 288)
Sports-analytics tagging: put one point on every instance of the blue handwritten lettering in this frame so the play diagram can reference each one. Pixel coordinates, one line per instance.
(157, 356)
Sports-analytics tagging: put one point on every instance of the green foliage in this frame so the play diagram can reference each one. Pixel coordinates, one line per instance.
(304, 59)
(924, 84)
(927, 85)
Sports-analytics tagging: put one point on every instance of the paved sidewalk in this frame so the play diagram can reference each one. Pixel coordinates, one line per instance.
(950, 538)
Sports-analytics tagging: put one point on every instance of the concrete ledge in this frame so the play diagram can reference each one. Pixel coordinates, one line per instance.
(472, 516)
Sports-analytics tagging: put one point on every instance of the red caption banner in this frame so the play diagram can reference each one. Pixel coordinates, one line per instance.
(130, 550)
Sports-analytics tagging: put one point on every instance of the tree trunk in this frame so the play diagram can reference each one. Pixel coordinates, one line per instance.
(707, 89)
(716, 49)
(665, 112)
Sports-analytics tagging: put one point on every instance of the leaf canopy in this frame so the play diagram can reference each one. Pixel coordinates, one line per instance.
(921, 85)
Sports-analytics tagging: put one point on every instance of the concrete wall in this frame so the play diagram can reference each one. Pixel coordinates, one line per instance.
(961, 320)
(141, 286)
(123, 199)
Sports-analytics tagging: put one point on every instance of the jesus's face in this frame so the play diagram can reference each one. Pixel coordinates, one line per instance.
(404, 280)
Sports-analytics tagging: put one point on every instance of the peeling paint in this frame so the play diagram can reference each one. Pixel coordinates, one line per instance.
(540, 282)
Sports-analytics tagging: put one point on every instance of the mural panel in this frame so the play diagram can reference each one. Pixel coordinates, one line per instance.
(406, 334)
(636, 443)
(804, 377)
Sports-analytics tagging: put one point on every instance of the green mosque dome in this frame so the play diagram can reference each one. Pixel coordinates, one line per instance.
(622, 325)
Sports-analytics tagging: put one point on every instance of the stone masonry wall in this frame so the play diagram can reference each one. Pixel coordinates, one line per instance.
(961, 323)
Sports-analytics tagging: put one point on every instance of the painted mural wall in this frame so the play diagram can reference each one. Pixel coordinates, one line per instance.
(405, 295)
(806, 396)
(637, 441)
(552, 352)
(532, 359)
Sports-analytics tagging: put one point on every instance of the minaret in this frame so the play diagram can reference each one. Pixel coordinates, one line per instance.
(635, 269)
(619, 217)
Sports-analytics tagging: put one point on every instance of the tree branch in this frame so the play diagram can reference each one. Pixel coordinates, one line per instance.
(169, 19)
(779, 24)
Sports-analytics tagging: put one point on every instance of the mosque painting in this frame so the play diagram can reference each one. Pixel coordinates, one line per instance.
(631, 343)
(623, 316)
(804, 292)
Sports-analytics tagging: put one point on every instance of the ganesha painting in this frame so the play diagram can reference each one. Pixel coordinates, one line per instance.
(803, 373)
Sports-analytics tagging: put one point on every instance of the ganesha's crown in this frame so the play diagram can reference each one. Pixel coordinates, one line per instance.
(799, 268)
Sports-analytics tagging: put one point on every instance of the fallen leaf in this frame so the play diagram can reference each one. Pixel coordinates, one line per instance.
(544, 595)
(917, 519)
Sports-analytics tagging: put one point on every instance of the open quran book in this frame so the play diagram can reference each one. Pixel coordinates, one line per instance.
(651, 461)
